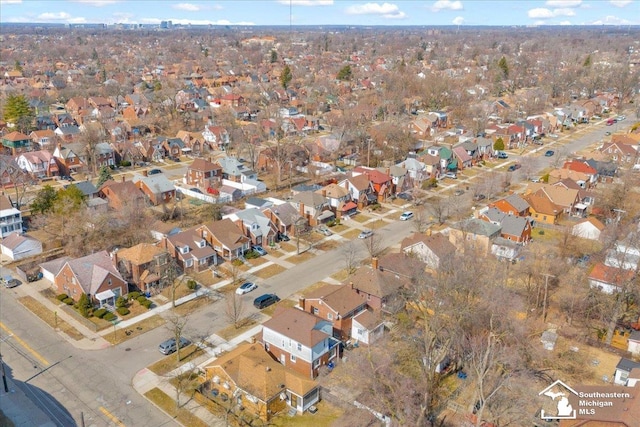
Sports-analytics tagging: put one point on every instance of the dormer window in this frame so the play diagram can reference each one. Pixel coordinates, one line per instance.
(183, 249)
(201, 244)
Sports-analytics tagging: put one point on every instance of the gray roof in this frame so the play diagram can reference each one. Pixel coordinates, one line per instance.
(91, 270)
(517, 202)
(87, 188)
(157, 183)
(627, 365)
(309, 198)
(513, 225)
(257, 202)
(478, 226)
(306, 187)
(287, 213)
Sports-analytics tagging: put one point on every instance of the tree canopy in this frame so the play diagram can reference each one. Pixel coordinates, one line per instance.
(104, 176)
(344, 73)
(498, 145)
(18, 111)
(286, 77)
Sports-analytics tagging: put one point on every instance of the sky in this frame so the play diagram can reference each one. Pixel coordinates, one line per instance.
(325, 12)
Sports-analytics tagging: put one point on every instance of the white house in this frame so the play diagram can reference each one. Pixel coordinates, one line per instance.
(623, 368)
(10, 218)
(433, 250)
(17, 246)
(366, 327)
(589, 228)
(633, 345)
(38, 163)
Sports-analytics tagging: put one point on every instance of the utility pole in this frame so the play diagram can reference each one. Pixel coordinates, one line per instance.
(546, 291)
(4, 376)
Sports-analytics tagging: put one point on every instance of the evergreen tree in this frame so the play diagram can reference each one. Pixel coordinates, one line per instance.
(104, 176)
(18, 111)
(587, 61)
(498, 145)
(84, 305)
(274, 56)
(44, 200)
(504, 67)
(286, 77)
(344, 73)
(18, 66)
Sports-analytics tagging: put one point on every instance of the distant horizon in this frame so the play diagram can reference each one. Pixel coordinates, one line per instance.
(321, 13)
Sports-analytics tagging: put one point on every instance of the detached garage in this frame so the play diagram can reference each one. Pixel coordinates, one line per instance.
(18, 246)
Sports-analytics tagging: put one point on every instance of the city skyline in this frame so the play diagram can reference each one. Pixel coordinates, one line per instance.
(324, 12)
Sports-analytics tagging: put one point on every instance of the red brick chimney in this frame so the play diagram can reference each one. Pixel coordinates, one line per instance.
(374, 263)
(302, 209)
(145, 173)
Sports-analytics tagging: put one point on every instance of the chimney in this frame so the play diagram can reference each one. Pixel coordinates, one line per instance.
(428, 232)
(122, 178)
(145, 173)
(388, 171)
(351, 283)
(302, 209)
(324, 193)
(301, 303)
(374, 263)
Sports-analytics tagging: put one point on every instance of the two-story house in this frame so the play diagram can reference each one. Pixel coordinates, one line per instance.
(190, 249)
(300, 341)
(10, 217)
(434, 250)
(216, 137)
(43, 139)
(474, 235)
(38, 164)
(226, 239)
(255, 225)
(378, 286)
(313, 207)
(122, 195)
(284, 217)
(339, 199)
(513, 204)
(141, 264)
(512, 227)
(337, 304)
(71, 158)
(15, 143)
(234, 170)
(360, 188)
(203, 174)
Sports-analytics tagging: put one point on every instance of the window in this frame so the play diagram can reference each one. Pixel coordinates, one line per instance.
(316, 363)
(314, 310)
(293, 358)
(299, 347)
(329, 316)
(544, 218)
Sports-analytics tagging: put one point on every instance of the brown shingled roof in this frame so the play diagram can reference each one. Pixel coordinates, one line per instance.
(298, 325)
(340, 298)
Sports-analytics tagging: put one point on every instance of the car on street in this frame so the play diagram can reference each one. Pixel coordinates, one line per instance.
(451, 175)
(259, 250)
(405, 196)
(265, 300)
(552, 135)
(11, 283)
(154, 171)
(611, 122)
(549, 153)
(322, 229)
(514, 167)
(406, 216)
(246, 287)
(607, 133)
(620, 118)
(458, 193)
(502, 155)
(283, 238)
(536, 179)
(365, 234)
(169, 346)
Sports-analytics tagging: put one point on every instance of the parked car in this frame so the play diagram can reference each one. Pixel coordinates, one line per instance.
(245, 288)
(458, 193)
(169, 346)
(406, 216)
(451, 175)
(549, 153)
(536, 179)
(552, 135)
(259, 250)
(610, 122)
(514, 167)
(607, 133)
(154, 171)
(502, 155)
(365, 234)
(479, 197)
(322, 229)
(283, 238)
(265, 301)
(620, 118)
(405, 196)
(11, 283)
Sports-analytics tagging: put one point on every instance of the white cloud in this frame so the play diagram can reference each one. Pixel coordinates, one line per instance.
(189, 7)
(565, 23)
(307, 2)
(564, 12)
(59, 17)
(386, 10)
(3, 2)
(540, 13)
(447, 4)
(97, 3)
(620, 3)
(563, 3)
(458, 20)
(612, 20)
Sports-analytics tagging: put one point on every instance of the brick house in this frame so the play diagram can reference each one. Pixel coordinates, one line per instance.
(225, 238)
(513, 204)
(140, 264)
(190, 250)
(203, 174)
(299, 340)
(122, 195)
(158, 189)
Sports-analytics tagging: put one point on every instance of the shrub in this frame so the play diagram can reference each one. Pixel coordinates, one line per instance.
(134, 295)
(110, 316)
(541, 232)
(123, 311)
(147, 304)
(251, 255)
(237, 262)
(121, 301)
(141, 299)
(68, 301)
(192, 284)
(62, 297)
(99, 313)
(125, 163)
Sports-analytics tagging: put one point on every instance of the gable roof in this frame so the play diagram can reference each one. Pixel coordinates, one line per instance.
(342, 299)
(286, 212)
(333, 191)
(227, 233)
(300, 326)
(517, 202)
(200, 164)
(91, 270)
(612, 275)
(437, 243)
(542, 204)
(310, 198)
(142, 253)
(157, 183)
(511, 224)
(13, 240)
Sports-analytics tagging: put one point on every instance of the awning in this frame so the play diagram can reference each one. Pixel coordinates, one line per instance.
(102, 296)
(453, 165)
(325, 215)
(349, 205)
(580, 206)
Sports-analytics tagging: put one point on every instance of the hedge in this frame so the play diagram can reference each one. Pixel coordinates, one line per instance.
(62, 297)
(110, 316)
(147, 304)
(141, 299)
(68, 301)
(123, 311)
(99, 313)
(134, 295)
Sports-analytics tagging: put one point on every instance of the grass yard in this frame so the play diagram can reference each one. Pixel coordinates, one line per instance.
(191, 306)
(49, 317)
(137, 329)
(50, 294)
(379, 223)
(284, 303)
(168, 405)
(326, 416)
(327, 245)
(351, 234)
(548, 235)
(361, 218)
(297, 259)
(339, 228)
(231, 331)
(288, 246)
(170, 362)
(181, 290)
(269, 271)
(258, 261)
(206, 277)
(306, 291)
(340, 276)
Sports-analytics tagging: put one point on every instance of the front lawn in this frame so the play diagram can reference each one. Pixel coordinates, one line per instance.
(170, 362)
(121, 335)
(182, 415)
(49, 317)
(269, 271)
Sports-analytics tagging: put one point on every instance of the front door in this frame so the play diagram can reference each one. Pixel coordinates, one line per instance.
(294, 401)
(283, 359)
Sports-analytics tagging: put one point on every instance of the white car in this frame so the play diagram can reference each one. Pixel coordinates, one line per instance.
(406, 216)
(246, 288)
(365, 234)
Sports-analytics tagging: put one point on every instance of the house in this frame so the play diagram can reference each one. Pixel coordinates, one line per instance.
(259, 384)
(104, 155)
(190, 249)
(589, 228)
(71, 158)
(474, 234)
(381, 182)
(94, 275)
(226, 239)
(217, 137)
(10, 218)
(435, 250)
(515, 228)
(561, 176)
(17, 246)
(623, 369)
(43, 139)
(582, 166)
(513, 204)
(313, 207)
(542, 209)
(609, 279)
(633, 343)
(378, 286)
(234, 170)
(336, 195)
(15, 143)
(67, 132)
(122, 195)
(255, 225)
(360, 189)
(561, 196)
(464, 160)
(158, 189)
(283, 217)
(141, 264)
(39, 164)
(203, 174)
(300, 341)
(620, 153)
(337, 304)
(88, 190)
(615, 412)
(416, 171)
(367, 327)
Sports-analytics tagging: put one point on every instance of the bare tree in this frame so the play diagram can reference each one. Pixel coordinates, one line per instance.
(235, 308)
(439, 208)
(349, 256)
(176, 325)
(373, 244)
(421, 220)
